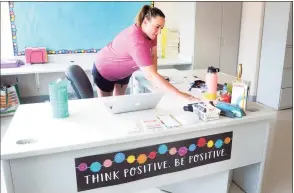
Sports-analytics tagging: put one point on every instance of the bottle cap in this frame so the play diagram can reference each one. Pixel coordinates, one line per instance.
(212, 69)
(188, 108)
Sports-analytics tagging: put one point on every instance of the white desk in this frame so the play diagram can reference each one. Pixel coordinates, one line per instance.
(180, 79)
(47, 165)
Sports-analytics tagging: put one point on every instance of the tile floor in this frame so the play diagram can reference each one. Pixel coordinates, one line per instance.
(278, 171)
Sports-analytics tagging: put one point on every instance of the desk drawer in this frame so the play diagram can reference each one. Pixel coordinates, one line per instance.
(287, 78)
(286, 98)
(288, 62)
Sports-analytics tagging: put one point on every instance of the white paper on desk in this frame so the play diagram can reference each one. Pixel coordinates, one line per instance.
(168, 121)
(176, 80)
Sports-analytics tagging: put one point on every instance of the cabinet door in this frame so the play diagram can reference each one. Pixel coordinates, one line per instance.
(207, 34)
(231, 24)
(290, 27)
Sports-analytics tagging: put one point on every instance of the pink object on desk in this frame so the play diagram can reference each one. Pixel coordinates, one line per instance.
(36, 55)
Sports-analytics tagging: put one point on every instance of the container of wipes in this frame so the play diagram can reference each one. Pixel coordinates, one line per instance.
(58, 96)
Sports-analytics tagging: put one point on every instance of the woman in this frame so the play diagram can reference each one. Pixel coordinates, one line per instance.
(132, 49)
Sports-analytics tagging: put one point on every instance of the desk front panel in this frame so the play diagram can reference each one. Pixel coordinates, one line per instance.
(57, 172)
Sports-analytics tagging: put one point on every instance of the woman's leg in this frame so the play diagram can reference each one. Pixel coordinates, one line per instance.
(119, 89)
(104, 87)
(102, 93)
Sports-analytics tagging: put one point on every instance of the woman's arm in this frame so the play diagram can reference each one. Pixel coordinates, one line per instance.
(141, 55)
(154, 56)
(151, 74)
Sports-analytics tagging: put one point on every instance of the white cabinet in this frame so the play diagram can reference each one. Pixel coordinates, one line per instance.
(217, 34)
(276, 66)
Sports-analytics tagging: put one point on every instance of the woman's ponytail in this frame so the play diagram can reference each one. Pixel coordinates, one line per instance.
(142, 14)
(148, 12)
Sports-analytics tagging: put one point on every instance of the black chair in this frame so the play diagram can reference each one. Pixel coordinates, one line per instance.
(80, 82)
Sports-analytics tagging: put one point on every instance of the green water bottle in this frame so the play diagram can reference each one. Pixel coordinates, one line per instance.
(58, 96)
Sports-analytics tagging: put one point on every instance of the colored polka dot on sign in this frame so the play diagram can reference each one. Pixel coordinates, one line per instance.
(227, 140)
(162, 149)
(201, 142)
(107, 163)
(210, 144)
(218, 143)
(12, 19)
(82, 167)
(95, 167)
(119, 157)
(131, 159)
(182, 151)
(152, 155)
(141, 158)
(14, 37)
(192, 147)
(173, 151)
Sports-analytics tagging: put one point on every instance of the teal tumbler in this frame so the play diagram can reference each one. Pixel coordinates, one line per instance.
(58, 96)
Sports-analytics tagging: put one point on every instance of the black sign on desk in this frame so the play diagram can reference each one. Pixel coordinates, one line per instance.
(115, 168)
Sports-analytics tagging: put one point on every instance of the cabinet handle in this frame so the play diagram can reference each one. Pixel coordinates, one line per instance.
(219, 41)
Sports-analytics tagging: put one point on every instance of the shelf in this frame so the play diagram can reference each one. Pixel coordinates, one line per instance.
(234, 189)
(86, 64)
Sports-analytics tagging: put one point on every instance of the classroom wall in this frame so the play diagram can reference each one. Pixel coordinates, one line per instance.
(27, 83)
(250, 42)
(183, 21)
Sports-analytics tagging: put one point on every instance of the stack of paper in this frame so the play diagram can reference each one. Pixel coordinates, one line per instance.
(152, 124)
(168, 43)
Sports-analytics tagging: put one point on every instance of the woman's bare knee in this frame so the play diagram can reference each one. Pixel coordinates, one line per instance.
(119, 89)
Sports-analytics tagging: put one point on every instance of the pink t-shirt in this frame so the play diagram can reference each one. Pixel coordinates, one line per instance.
(128, 51)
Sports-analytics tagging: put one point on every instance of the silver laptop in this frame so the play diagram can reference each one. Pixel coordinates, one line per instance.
(130, 103)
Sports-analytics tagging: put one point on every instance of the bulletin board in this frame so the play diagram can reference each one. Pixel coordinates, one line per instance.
(69, 27)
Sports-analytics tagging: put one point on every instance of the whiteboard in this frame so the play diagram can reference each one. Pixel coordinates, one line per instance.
(69, 27)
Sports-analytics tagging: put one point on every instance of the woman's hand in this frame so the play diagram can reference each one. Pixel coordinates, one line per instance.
(157, 80)
(189, 97)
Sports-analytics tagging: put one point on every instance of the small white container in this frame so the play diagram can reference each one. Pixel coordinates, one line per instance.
(206, 111)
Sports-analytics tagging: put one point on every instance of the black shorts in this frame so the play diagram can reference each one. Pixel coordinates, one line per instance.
(107, 85)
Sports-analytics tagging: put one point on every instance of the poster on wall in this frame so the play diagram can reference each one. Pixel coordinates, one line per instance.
(97, 171)
(69, 27)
